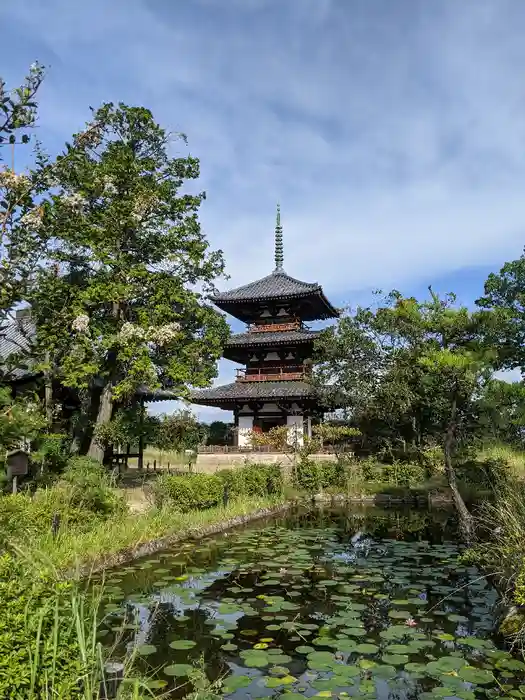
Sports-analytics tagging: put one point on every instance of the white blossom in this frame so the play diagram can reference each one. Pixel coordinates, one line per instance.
(74, 201)
(109, 186)
(32, 219)
(142, 206)
(8, 178)
(130, 331)
(80, 323)
(162, 335)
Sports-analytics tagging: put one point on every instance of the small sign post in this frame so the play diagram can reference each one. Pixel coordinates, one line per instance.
(17, 465)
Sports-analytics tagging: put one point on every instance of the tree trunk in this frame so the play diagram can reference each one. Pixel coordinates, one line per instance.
(465, 518)
(105, 411)
(48, 393)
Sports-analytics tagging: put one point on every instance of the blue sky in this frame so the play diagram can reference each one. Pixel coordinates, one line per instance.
(392, 133)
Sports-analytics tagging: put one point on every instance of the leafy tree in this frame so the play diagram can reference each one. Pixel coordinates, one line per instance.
(502, 412)
(20, 213)
(219, 433)
(122, 303)
(178, 432)
(505, 296)
(19, 421)
(416, 367)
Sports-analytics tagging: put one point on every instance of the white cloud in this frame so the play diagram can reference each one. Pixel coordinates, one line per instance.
(392, 133)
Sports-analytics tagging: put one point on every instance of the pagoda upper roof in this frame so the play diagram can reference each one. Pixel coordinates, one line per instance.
(278, 286)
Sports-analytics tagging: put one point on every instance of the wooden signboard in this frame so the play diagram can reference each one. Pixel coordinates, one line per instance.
(17, 465)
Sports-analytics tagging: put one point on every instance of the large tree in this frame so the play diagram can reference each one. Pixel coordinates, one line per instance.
(121, 302)
(505, 296)
(416, 368)
(20, 212)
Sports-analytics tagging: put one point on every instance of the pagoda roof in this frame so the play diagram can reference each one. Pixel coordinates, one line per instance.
(252, 338)
(278, 286)
(249, 391)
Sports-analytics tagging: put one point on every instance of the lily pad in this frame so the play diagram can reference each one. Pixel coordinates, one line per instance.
(178, 670)
(182, 644)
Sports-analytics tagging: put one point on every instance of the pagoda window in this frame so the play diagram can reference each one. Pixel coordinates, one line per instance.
(265, 313)
(272, 356)
(282, 312)
(254, 358)
(290, 356)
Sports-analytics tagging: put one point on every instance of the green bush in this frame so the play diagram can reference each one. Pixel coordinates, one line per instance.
(91, 487)
(200, 491)
(403, 474)
(40, 645)
(312, 476)
(188, 492)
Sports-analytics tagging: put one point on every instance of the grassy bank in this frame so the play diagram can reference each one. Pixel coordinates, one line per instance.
(76, 549)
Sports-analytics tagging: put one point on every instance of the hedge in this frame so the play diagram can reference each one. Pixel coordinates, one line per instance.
(200, 491)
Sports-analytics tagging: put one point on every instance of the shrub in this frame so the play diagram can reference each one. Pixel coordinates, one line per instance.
(312, 475)
(260, 479)
(41, 642)
(189, 492)
(403, 473)
(91, 487)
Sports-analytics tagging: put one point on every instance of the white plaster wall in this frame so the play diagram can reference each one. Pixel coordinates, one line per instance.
(244, 431)
(309, 426)
(295, 430)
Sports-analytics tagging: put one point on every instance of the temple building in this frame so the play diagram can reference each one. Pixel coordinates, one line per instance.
(273, 387)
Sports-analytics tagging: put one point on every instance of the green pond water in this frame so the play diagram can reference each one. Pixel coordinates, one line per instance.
(341, 603)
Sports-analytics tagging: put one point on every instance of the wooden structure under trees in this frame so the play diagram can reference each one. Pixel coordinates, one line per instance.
(273, 388)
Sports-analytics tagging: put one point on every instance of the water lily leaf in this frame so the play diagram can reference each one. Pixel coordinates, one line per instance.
(146, 649)
(303, 649)
(233, 683)
(478, 676)
(445, 637)
(275, 682)
(367, 648)
(182, 644)
(395, 659)
(229, 647)
(178, 670)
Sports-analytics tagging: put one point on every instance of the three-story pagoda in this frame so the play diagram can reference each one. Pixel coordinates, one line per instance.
(273, 387)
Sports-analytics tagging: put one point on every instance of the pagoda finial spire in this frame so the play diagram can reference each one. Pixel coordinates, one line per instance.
(279, 254)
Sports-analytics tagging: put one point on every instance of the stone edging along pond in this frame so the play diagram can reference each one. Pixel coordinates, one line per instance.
(125, 556)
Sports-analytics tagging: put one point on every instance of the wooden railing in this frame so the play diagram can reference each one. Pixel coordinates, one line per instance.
(274, 327)
(269, 374)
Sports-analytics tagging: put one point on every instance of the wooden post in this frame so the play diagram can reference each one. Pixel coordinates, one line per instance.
(15, 480)
(141, 434)
(113, 677)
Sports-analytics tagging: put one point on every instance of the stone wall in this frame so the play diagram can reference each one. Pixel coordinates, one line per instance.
(223, 460)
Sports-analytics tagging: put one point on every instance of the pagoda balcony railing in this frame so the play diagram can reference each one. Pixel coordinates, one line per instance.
(271, 374)
(274, 327)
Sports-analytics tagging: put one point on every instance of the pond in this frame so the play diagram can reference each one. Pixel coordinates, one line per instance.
(347, 602)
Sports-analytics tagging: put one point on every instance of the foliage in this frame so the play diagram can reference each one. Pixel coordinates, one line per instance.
(219, 433)
(20, 213)
(178, 432)
(50, 455)
(504, 295)
(253, 480)
(188, 492)
(412, 372)
(20, 420)
(117, 304)
(82, 497)
(500, 550)
(42, 654)
(200, 491)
